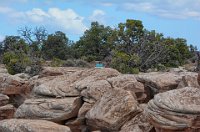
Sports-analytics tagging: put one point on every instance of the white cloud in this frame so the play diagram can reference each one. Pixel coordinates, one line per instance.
(179, 9)
(98, 15)
(67, 19)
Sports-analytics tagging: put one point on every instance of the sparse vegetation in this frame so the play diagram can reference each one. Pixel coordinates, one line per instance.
(129, 48)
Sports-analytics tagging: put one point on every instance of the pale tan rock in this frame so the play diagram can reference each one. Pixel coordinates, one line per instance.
(56, 71)
(13, 85)
(112, 110)
(95, 91)
(78, 124)
(84, 109)
(7, 112)
(73, 84)
(139, 123)
(3, 69)
(128, 82)
(56, 110)
(189, 81)
(4, 99)
(156, 82)
(160, 81)
(57, 87)
(23, 125)
(175, 110)
(94, 75)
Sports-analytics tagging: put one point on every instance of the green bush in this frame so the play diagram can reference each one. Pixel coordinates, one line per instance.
(16, 63)
(82, 63)
(69, 63)
(56, 62)
(134, 70)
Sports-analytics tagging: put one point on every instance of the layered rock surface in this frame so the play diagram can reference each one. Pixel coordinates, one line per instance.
(175, 110)
(139, 123)
(112, 110)
(64, 86)
(22, 125)
(6, 110)
(56, 110)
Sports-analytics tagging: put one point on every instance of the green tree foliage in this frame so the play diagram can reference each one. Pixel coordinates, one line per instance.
(56, 46)
(15, 54)
(94, 44)
(129, 48)
(145, 49)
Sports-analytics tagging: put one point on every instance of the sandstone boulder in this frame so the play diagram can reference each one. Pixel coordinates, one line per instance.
(114, 108)
(56, 110)
(13, 85)
(189, 81)
(57, 87)
(129, 82)
(4, 99)
(73, 84)
(175, 110)
(23, 125)
(56, 71)
(94, 75)
(3, 69)
(139, 123)
(95, 91)
(157, 82)
(7, 112)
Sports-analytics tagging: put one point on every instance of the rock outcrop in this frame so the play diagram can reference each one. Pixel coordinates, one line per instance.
(6, 110)
(95, 90)
(157, 82)
(4, 99)
(175, 110)
(13, 85)
(139, 123)
(189, 81)
(73, 84)
(114, 108)
(56, 110)
(22, 125)
(129, 83)
(56, 71)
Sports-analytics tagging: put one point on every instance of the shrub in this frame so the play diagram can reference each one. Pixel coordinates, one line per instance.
(69, 63)
(82, 63)
(134, 71)
(56, 62)
(16, 63)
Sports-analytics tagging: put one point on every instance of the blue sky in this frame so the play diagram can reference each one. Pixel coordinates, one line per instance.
(173, 18)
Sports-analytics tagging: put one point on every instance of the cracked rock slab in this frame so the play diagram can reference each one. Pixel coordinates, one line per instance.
(24, 125)
(112, 110)
(56, 110)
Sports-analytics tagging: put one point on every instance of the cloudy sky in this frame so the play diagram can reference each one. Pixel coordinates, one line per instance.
(174, 18)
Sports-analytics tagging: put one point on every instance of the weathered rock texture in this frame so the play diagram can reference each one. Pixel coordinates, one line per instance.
(139, 123)
(175, 110)
(95, 90)
(56, 71)
(189, 81)
(7, 111)
(129, 83)
(56, 110)
(4, 99)
(22, 125)
(13, 85)
(157, 82)
(73, 84)
(112, 110)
